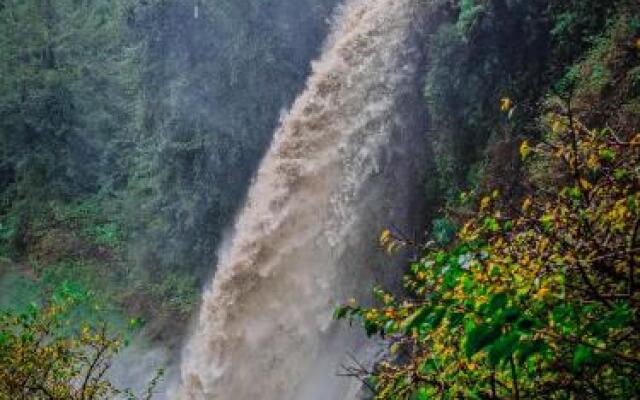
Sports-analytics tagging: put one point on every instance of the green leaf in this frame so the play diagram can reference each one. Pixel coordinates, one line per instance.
(495, 271)
(390, 327)
(508, 315)
(507, 226)
(547, 221)
(452, 276)
(526, 324)
(468, 283)
(27, 337)
(622, 316)
(474, 395)
(575, 193)
(491, 225)
(582, 356)
(527, 349)
(503, 348)
(497, 302)
(607, 155)
(370, 327)
(373, 380)
(435, 318)
(4, 338)
(480, 337)
(421, 394)
(619, 174)
(415, 319)
(341, 312)
(136, 323)
(456, 319)
(428, 366)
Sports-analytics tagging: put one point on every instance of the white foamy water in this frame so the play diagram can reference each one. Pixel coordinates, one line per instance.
(341, 167)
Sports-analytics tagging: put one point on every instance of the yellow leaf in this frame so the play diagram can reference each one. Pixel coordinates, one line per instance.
(484, 203)
(593, 162)
(385, 236)
(585, 184)
(524, 149)
(505, 104)
(542, 246)
(468, 232)
(541, 293)
(391, 247)
(526, 205)
(371, 314)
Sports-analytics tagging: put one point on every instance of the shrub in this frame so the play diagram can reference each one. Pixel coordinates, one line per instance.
(44, 356)
(540, 302)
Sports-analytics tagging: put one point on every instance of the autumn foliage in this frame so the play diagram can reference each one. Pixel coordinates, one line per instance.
(43, 356)
(536, 302)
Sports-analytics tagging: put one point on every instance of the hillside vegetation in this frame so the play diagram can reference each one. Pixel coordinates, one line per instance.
(527, 285)
(129, 132)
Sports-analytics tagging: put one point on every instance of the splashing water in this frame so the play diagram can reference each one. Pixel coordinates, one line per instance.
(341, 166)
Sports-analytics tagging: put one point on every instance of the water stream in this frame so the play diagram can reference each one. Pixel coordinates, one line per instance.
(342, 165)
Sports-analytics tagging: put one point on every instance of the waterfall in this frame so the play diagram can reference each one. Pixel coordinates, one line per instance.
(342, 165)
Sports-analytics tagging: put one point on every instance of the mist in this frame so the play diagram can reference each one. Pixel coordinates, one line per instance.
(337, 169)
(137, 155)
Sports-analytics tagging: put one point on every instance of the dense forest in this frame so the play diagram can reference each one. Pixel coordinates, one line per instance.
(526, 285)
(131, 131)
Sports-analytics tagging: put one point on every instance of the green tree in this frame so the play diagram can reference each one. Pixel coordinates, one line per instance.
(66, 94)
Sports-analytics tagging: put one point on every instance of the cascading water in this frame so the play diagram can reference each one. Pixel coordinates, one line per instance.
(341, 166)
